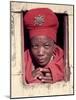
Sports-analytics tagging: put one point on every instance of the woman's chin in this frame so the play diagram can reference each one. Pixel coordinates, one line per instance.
(42, 64)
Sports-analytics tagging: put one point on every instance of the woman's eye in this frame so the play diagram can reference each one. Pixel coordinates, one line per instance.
(34, 46)
(47, 46)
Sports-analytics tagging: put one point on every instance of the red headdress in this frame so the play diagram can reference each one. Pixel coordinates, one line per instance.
(41, 21)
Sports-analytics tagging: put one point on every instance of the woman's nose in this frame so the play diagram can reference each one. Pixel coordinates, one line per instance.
(41, 51)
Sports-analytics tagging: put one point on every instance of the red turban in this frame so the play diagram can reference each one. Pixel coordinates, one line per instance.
(41, 21)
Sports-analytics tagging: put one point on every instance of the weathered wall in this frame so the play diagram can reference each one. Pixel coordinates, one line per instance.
(17, 87)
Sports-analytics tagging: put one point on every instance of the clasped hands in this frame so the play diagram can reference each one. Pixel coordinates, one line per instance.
(42, 74)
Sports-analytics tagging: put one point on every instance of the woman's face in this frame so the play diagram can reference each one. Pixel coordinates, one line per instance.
(42, 49)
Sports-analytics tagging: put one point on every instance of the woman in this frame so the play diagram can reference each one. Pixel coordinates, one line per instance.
(44, 60)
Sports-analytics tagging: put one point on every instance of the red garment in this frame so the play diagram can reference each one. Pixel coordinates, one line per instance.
(56, 66)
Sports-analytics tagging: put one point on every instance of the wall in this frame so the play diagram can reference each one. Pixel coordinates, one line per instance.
(18, 89)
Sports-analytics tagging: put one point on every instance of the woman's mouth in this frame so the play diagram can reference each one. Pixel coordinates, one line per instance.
(41, 60)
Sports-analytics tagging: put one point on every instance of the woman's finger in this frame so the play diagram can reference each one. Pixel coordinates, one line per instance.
(45, 70)
(47, 81)
(45, 78)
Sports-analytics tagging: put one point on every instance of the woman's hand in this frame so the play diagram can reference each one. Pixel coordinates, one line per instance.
(37, 73)
(47, 77)
(43, 74)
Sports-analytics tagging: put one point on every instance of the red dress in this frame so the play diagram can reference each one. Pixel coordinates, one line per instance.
(56, 66)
